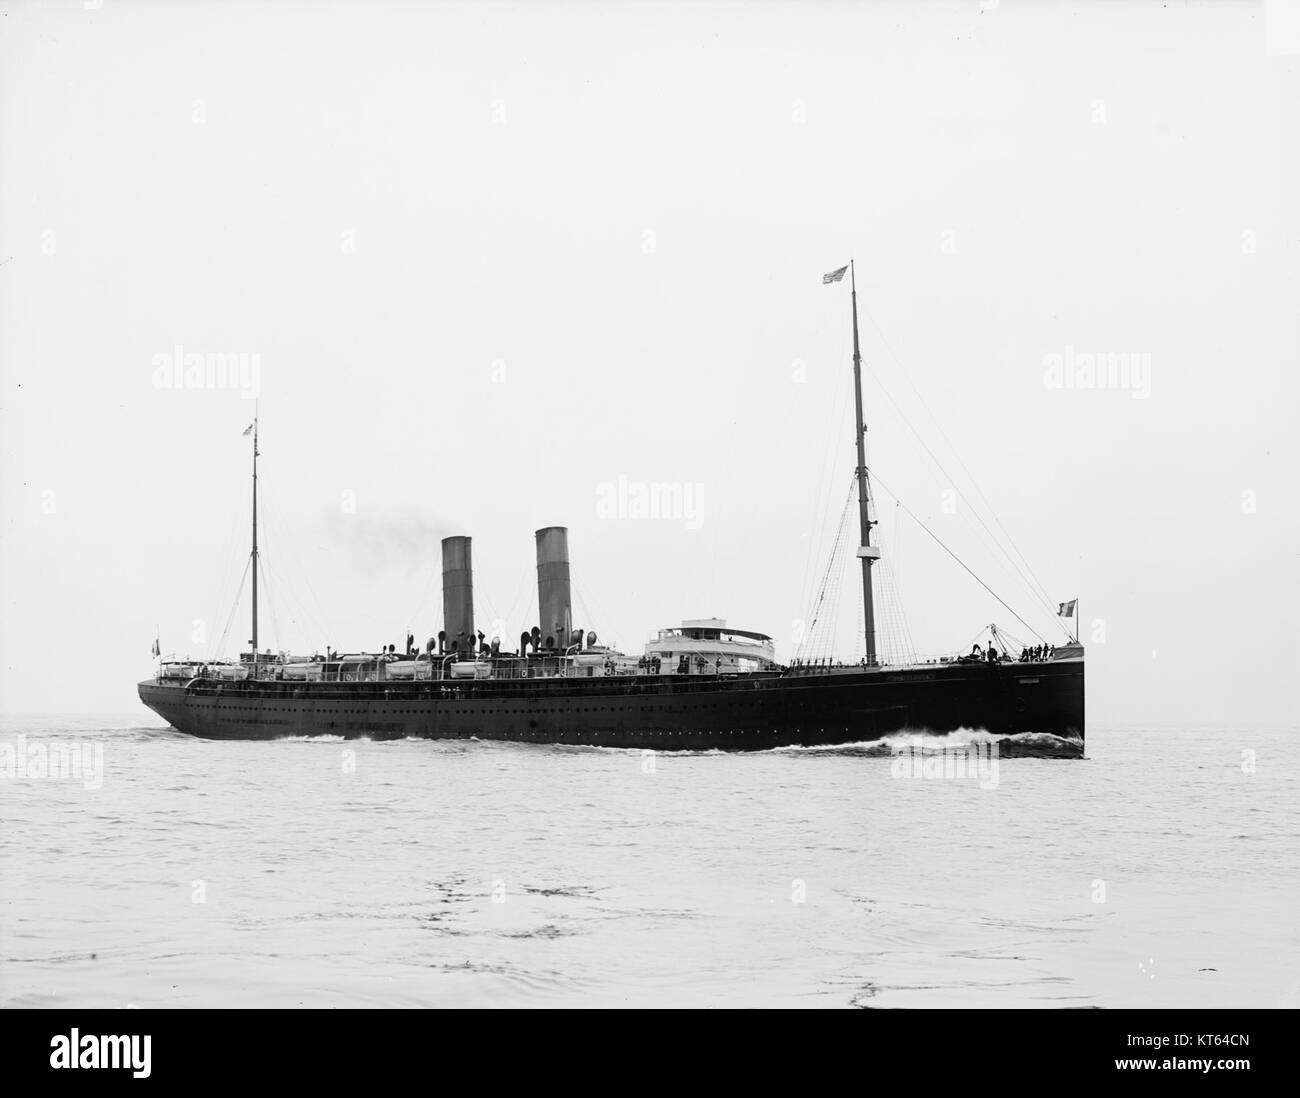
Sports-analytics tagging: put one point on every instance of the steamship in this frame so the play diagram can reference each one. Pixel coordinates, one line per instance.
(700, 686)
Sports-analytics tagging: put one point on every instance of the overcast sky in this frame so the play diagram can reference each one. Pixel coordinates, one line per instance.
(492, 261)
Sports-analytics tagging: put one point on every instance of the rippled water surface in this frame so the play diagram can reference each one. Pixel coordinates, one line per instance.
(1160, 870)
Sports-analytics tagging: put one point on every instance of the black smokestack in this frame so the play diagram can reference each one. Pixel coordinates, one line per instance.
(457, 588)
(554, 603)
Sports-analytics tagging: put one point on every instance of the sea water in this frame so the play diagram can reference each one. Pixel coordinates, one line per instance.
(1162, 869)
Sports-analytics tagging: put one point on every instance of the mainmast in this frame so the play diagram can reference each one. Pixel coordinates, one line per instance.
(254, 544)
(866, 551)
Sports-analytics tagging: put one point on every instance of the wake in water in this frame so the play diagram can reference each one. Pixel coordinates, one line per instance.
(1020, 745)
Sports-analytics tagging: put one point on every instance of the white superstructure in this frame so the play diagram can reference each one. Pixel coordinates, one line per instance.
(707, 646)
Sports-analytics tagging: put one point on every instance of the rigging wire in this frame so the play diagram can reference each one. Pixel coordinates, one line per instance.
(972, 511)
(821, 497)
(958, 559)
(521, 593)
(532, 611)
(227, 572)
(591, 618)
(270, 605)
(1025, 574)
(313, 613)
(898, 638)
(221, 643)
(271, 571)
(415, 613)
(974, 483)
(811, 647)
(826, 647)
(892, 577)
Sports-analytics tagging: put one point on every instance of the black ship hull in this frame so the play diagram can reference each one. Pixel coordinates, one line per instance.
(663, 713)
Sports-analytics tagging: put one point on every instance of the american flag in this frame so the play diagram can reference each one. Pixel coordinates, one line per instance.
(834, 276)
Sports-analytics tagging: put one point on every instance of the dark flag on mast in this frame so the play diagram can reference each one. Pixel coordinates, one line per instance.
(834, 276)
